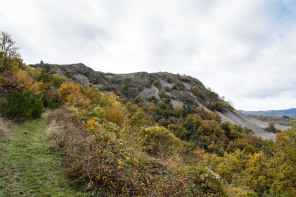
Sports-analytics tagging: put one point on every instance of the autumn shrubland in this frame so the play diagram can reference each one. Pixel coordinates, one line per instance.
(125, 147)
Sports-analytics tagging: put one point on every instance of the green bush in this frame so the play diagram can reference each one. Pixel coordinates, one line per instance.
(152, 98)
(219, 106)
(24, 105)
(165, 97)
(169, 79)
(157, 84)
(204, 181)
(178, 85)
(138, 99)
(271, 127)
(158, 140)
(47, 102)
(167, 89)
(197, 92)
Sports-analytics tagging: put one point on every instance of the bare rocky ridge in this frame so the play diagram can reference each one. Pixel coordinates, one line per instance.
(177, 87)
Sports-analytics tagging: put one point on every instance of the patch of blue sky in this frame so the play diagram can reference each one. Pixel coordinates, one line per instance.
(286, 10)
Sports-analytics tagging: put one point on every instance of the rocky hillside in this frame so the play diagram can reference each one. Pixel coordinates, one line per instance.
(172, 89)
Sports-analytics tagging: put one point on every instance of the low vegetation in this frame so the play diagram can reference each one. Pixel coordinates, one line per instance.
(125, 147)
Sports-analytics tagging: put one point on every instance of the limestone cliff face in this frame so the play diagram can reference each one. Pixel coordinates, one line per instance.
(174, 89)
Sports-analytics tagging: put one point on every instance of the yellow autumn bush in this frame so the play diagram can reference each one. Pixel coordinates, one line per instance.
(30, 83)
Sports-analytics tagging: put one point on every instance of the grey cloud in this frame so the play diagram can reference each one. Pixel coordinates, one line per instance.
(244, 50)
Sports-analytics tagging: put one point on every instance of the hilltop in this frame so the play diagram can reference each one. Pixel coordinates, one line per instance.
(173, 89)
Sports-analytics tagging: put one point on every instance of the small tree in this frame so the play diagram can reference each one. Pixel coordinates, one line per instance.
(271, 127)
(8, 50)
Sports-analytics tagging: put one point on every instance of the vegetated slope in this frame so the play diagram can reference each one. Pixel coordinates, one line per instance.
(285, 112)
(170, 88)
(139, 146)
(111, 147)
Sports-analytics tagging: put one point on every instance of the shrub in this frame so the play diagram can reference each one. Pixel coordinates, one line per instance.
(204, 181)
(58, 80)
(271, 127)
(30, 83)
(22, 105)
(44, 76)
(219, 106)
(178, 85)
(167, 89)
(152, 98)
(77, 95)
(192, 122)
(138, 99)
(163, 122)
(139, 119)
(210, 127)
(97, 112)
(157, 140)
(179, 131)
(165, 97)
(115, 115)
(11, 85)
(169, 79)
(197, 92)
(157, 84)
(53, 94)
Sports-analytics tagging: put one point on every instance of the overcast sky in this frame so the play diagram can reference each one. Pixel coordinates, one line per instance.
(244, 50)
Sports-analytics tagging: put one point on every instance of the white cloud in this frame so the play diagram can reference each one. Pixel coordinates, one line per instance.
(244, 50)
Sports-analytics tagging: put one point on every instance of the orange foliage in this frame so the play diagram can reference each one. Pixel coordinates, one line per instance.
(11, 85)
(31, 84)
(68, 88)
(74, 94)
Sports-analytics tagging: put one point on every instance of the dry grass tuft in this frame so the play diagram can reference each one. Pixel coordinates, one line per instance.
(58, 116)
(58, 125)
(68, 138)
(4, 125)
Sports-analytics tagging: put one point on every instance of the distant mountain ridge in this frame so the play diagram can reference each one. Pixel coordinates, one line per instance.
(285, 112)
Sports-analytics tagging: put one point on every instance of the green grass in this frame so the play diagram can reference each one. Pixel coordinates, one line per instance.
(29, 168)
